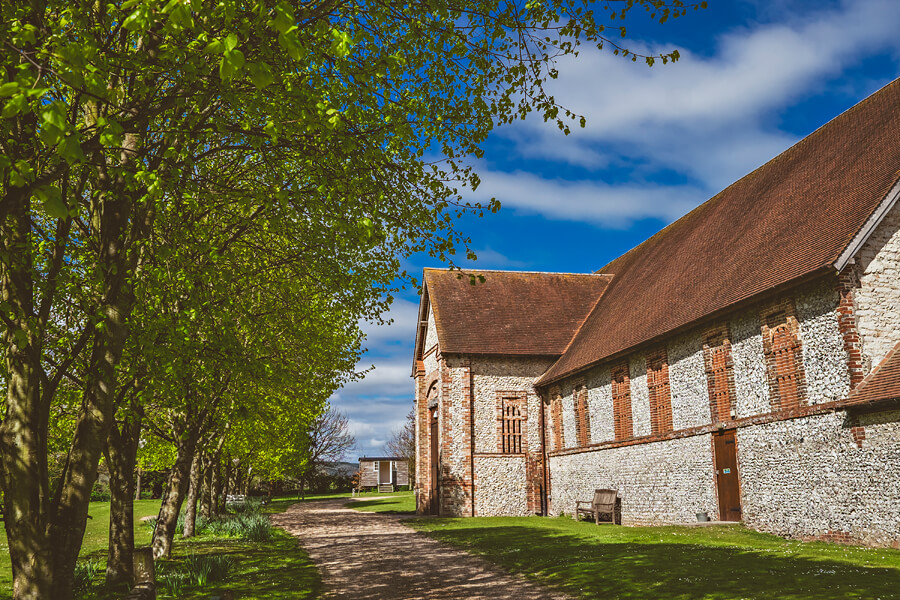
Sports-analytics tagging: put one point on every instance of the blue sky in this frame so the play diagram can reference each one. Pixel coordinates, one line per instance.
(755, 77)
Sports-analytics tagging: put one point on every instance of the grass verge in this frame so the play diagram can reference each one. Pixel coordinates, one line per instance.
(274, 569)
(397, 503)
(96, 537)
(671, 563)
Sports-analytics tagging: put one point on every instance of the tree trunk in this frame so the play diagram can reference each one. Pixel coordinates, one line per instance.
(23, 451)
(216, 488)
(121, 456)
(206, 491)
(173, 497)
(190, 512)
(137, 486)
(227, 488)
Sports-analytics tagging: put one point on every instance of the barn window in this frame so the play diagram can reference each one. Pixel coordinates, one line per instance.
(375, 466)
(556, 415)
(784, 356)
(582, 417)
(512, 408)
(621, 395)
(660, 395)
(719, 372)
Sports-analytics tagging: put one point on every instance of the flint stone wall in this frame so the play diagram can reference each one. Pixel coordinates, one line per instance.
(687, 381)
(500, 486)
(431, 340)
(600, 404)
(878, 297)
(500, 481)
(824, 356)
(807, 478)
(659, 483)
(507, 374)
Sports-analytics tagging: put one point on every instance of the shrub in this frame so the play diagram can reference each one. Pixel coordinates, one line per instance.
(173, 584)
(86, 572)
(207, 568)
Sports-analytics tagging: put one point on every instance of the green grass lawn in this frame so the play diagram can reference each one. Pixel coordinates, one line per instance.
(275, 570)
(398, 502)
(96, 536)
(672, 563)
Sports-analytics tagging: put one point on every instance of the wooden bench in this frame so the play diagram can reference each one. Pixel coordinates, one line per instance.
(604, 503)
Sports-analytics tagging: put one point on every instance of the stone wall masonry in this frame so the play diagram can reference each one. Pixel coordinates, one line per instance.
(824, 356)
(640, 396)
(750, 383)
(687, 381)
(456, 462)
(600, 404)
(658, 483)
(878, 297)
(504, 374)
(431, 340)
(431, 337)
(500, 486)
(808, 478)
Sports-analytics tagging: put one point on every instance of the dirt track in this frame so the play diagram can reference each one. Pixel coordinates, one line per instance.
(372, 556)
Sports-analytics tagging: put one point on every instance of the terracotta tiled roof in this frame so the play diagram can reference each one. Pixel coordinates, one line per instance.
(883, 383)
(788, 219)
(511, 312)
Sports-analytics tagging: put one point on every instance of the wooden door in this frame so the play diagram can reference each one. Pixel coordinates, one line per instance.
(727, 482)
(435, 465)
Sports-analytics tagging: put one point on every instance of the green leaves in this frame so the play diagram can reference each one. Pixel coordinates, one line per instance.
(52, 202)
(232, 59)
(261, 75)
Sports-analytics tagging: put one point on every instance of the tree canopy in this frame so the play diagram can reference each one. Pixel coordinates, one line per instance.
(199, 199)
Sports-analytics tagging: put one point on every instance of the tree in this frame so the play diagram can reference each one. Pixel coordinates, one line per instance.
(119, 117)
(403, 443)
(328, 439)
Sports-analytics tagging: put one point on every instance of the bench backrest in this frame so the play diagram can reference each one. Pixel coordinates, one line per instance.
(605, 499)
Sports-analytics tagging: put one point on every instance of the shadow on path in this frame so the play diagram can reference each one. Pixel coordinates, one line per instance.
(372, 556)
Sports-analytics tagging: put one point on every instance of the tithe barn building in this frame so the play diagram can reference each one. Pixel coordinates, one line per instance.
(744, 362)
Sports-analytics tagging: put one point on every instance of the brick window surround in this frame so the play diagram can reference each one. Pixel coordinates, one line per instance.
(659, 391)
(719, 366)
(582, 416)
(621, 395)
(556, 415)
(784, 355)
(512, 418)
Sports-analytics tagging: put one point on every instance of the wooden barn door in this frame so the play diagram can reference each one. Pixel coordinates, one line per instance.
(435, 465)
(727, 476)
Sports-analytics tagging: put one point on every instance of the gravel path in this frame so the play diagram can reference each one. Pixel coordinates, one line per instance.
(365, 555)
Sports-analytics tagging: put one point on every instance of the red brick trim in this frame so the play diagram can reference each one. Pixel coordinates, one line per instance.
(556, 415)
(621, 396)
(660, 394)
(771, 417)
(719, 365)
(582, 416)
(848, 281)
(784, 355)
(858, 431)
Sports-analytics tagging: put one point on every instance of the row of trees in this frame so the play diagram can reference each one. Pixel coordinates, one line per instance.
(199, 202)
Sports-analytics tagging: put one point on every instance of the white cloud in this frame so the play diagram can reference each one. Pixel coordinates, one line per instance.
(404, 315)
(594, 201)
(710, 118)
